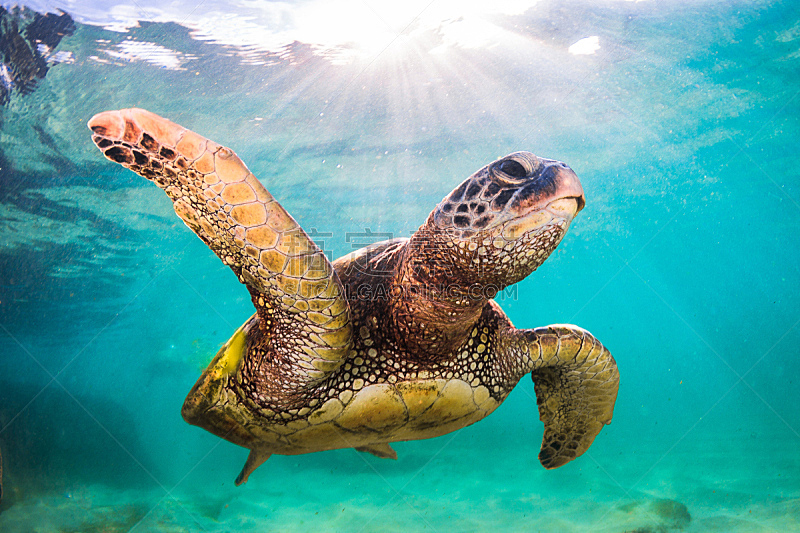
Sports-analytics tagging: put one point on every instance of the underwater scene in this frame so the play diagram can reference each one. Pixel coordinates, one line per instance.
(681, 121)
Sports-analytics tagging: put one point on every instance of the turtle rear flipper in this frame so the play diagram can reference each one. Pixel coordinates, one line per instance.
(254, 460)
(383, 450)
(292, 284)
(576, 383)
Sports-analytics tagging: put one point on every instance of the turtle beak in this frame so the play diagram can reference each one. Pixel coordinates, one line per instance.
(568, 186)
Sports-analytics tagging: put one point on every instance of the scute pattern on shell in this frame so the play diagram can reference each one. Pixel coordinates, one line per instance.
(320, 366)
(377, 360)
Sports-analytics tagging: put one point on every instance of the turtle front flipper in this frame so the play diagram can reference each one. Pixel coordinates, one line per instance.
(304, 317)
(576, 383)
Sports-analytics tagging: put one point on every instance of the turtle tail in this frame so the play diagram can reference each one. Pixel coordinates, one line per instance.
(576, 382)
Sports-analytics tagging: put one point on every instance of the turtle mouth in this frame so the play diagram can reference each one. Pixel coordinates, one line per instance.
(557, 201)
(559, 212)
(568, 206)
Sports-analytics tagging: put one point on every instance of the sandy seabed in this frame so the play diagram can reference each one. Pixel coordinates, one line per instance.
(446, 485)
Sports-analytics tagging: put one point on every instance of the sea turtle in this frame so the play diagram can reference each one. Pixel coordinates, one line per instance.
(398, 341)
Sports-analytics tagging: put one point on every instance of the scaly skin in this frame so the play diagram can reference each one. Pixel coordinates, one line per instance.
(398, 341)
(291, 282)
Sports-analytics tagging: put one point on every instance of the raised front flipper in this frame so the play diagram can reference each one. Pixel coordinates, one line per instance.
(304, 317)
(576, 383)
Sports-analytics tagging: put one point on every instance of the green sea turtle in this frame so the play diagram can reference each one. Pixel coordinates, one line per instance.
(398, 341)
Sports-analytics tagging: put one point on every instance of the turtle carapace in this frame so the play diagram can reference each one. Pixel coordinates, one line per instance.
(398, 341)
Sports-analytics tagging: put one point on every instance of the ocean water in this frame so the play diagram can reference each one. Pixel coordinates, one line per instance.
(681, 118)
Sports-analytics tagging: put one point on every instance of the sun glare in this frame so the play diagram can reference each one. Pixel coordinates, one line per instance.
(348, 30)
(461, 23)
(340, 30)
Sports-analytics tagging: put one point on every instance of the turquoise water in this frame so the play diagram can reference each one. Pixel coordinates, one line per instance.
(683, 127)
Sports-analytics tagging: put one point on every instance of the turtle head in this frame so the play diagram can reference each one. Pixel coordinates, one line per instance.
(503, 221)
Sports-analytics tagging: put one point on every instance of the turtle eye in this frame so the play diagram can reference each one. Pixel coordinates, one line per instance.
(513, 168)
(511, 171)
